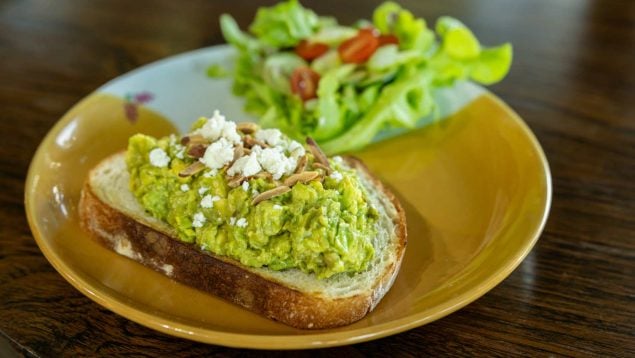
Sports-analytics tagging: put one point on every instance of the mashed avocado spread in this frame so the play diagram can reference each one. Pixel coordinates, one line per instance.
(255, 196)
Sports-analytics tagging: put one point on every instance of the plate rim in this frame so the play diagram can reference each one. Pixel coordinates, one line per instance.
(320, 339)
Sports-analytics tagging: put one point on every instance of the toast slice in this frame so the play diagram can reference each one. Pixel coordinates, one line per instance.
(111, 213)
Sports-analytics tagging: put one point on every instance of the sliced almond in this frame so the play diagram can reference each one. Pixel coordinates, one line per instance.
(301, 178)
(251, 141)
(301, 164)
(246, 151)
(193, 139)
(239, 151)
(234, 182)
(192, 169)
(318, 154)
(247, 127)
(318, 165)
(264, 175)
(197, 150)
(270, 194)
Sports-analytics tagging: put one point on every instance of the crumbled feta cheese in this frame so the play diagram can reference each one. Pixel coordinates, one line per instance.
(337, 176)
(180, 151)
(208, 201)
(210, 173)
(212, 128)
(218, 154)
(185, 187)
(277, 207)
(296, 150)
(176, 148)
(256, 149)
(275, 162)
(217, 127)
(242, 222)
(202, 190)
(245, 185)
(337, 159)
(229, 132)
(273, 137)
(198, 220)
(159, 158)
(232, 220)
(246, 166)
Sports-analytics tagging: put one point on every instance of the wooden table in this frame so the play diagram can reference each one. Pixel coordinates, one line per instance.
(573, 81)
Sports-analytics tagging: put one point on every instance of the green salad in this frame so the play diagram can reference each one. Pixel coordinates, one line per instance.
(310, 76)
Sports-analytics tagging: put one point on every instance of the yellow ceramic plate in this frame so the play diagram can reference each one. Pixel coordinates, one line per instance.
(476, 189)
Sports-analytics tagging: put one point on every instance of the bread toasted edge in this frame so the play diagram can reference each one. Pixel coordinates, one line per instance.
(229, 280)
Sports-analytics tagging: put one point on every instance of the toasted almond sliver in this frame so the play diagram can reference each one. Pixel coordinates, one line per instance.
(247, 127)
(193, 139)
(235, 181)
(196, 150)
(265, 175)
(239, 151)
(317, 165)
(192, 169)
(301, 164)
(270, 194)
(251, 141)
(301, 177)
(318, 153)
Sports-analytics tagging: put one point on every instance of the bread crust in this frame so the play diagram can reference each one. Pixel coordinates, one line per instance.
(228, 279)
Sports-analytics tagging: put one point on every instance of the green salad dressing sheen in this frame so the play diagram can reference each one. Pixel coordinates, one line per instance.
(322, 227)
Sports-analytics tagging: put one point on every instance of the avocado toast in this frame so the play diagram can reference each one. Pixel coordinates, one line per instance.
(253, 217)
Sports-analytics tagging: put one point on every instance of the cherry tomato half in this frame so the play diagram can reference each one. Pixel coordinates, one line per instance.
(370, 30)
(383, 39)
(359, 48)
(304, 82)
(311, 50)
(388, 39)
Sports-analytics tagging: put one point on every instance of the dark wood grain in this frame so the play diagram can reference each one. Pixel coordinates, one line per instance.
(573, 81)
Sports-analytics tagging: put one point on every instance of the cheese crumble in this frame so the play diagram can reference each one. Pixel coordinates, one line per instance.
(198, 220)
(208, 201)
(337, 176)
(217, 127)
(218, 154)
(246, 166)
(273, 137)
(242, 222)
(159, 158)
(275, 162)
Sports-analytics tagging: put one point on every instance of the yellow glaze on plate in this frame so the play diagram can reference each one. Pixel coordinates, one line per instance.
(476, 189)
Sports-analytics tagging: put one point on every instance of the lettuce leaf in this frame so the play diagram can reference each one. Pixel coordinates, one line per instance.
(400, 104)
(284, 24)
(412, 32)
(461, 56)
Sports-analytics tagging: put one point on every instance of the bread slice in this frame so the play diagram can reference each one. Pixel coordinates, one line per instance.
(111, 213)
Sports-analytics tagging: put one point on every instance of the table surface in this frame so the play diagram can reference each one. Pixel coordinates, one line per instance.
(573, 81)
